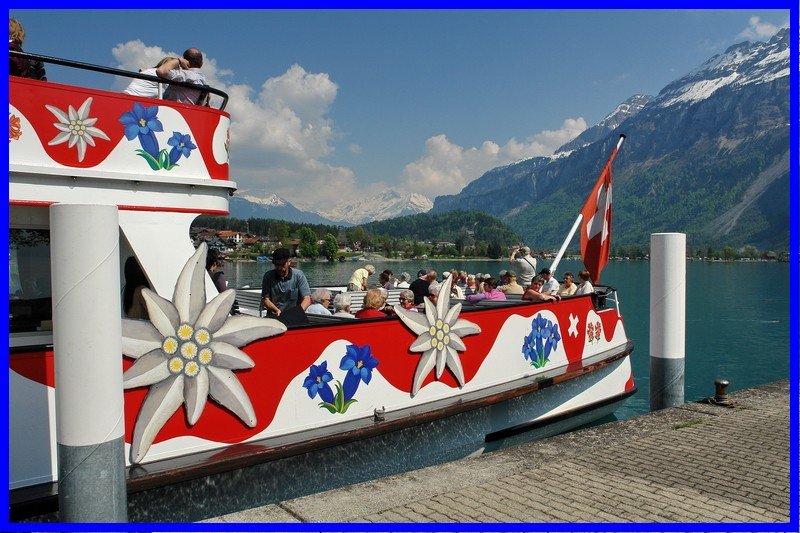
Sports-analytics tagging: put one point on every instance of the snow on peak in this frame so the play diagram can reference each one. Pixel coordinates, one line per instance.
(388, 204)
(272, 200)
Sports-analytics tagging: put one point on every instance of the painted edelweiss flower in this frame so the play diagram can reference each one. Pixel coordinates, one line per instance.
(187, 352)
(439, 333)
(76, 127)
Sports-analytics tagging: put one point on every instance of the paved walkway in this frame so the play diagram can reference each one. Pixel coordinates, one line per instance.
(694, 463)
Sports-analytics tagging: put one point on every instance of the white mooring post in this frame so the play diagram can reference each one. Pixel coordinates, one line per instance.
(87, 341)
(667, 319)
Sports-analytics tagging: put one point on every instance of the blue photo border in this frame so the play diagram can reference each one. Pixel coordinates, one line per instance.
(792, 525)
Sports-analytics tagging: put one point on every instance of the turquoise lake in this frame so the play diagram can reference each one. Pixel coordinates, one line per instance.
(737, 315)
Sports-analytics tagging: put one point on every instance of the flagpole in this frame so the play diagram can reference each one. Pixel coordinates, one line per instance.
(564, 246)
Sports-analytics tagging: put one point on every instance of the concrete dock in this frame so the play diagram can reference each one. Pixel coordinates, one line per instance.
(693, 463)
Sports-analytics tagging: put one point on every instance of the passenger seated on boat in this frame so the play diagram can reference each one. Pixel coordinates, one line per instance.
(133, 303)
(20, 66)
(284, 287)
(455, 291)
(173, 70)
(420, 285)
(433, 296)
(320, 299)
(403, 282)
(490, 292)
(585, 286)
(341, 305)
(510, 285)
(472, 285)
(534, 292)
(373, 301)
(550, 283)
(407, 300)
(147, 88)
(567, 288)
(385, 279)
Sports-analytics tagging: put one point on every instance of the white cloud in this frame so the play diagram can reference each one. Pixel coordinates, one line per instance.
(758, 30)
(355, 148)
(278, 136)
(446, 167)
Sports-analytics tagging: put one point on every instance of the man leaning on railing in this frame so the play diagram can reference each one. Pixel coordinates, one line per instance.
(172, 70)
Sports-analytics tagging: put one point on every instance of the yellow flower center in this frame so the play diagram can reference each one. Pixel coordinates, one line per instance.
(205, 356)
(192, 369)
(170, 345)
(185, 332)
(189, 350)
(175, 365)
(202, 336)
(432, 331)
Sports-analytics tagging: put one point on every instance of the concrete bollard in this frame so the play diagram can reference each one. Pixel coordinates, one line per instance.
(667, 319)
(87, 341)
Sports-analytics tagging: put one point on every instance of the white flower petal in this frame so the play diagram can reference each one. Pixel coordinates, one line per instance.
(430, 311)
(95, 132)
(416, 322)
(463, 328)
(230, 357)
(60, 138)
(160, 404)
(190, 290)
(150, 368)
(440, 360)
(139, 337)
(454, 364)
(60, 115)
(456, 342)
(443, 302)
(162, 313)
(89, 122)
(81, 148)
(195, 393)
(72, 140)
(424, 366)
(226, 389)
(422, 343)
(83, 112)
(216, 311)
(88, 139)
(452, 314)
(61, 127)
(72, 114)
(241, 329)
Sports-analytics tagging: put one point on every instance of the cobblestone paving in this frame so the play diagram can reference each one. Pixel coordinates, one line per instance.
(694, 463)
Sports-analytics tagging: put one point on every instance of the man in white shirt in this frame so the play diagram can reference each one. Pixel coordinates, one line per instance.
(172, 70)
(550, 283)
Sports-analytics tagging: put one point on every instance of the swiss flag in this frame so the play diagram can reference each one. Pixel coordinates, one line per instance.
(596, 224)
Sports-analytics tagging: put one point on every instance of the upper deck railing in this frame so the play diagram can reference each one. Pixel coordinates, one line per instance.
(124, 73)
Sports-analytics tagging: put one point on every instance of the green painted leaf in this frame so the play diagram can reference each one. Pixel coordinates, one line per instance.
(154, 164)
(348, 404)
(329, 406)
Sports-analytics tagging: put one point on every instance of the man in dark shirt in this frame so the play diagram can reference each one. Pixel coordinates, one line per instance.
(284, 287)
(420, 285)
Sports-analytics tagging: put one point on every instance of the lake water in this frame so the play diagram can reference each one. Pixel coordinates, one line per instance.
(737, 315)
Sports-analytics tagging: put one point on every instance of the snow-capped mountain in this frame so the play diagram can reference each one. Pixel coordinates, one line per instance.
(742, 64)
(246, 205)
(388, 204)
(708, 156)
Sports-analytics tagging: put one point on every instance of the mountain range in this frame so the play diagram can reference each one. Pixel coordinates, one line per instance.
(388, 204)
(707, 156)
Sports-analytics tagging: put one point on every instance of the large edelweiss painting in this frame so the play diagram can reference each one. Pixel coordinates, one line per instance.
(187, 352)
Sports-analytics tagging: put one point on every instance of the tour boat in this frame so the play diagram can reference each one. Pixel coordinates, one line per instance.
(292, 410)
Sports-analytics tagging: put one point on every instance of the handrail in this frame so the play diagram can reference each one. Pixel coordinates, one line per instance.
(123, 73)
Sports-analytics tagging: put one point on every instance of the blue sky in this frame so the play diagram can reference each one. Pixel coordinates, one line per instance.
(333, 104)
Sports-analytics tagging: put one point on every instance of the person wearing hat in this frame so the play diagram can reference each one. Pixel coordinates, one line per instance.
(510, 285)
(358, 282)
(526, 265)
(551, 285)
(284, 287)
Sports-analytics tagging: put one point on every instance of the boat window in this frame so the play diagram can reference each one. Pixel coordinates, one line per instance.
(30, 303)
